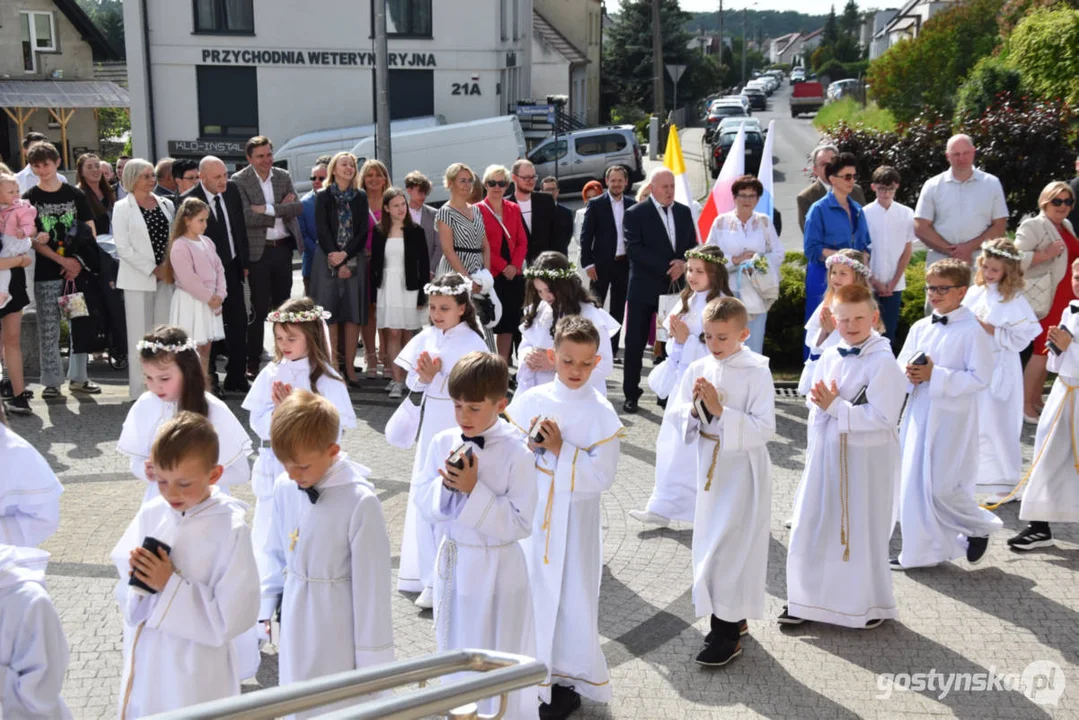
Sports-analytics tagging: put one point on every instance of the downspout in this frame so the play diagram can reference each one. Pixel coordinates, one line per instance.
(149, 80)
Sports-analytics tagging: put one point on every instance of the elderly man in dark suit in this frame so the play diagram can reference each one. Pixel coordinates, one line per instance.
(821, 156)
(227, 230)
(603, 243)
(658, 233)
(271, 209)
(418, 187)
(537, 210)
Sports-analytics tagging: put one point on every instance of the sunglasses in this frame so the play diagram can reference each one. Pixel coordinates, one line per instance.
(848, 177)
(497, 183)
(1057, 202)
(939, 289)
(318, 177)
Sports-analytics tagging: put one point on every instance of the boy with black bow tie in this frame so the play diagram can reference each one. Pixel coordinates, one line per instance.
(328, 550)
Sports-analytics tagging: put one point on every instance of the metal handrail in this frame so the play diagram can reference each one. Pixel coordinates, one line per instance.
(503, 672)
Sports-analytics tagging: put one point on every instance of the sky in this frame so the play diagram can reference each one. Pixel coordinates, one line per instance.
(811, 7)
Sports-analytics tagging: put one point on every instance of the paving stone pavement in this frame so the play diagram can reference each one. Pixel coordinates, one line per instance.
(1013, 610)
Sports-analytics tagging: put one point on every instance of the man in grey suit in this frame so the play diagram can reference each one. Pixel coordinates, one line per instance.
(271, 209)
(418, 187)
(821, 156)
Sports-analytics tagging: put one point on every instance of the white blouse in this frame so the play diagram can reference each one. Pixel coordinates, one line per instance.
(758, 235)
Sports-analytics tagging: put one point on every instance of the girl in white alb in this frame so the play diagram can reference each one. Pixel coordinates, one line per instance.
(998, 303)
(176, 381)
(428, 359)
(555, 290)
(675, 492)
(29, 492)
(301, 360)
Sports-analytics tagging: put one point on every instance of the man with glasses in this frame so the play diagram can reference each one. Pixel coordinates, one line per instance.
(307, 219)
(891, 226)
(537, 210)
(820, 157)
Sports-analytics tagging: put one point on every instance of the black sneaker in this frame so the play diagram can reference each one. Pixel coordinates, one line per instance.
(874, 623)
(51, 393)
(1031, 538)
(976, 547)
(564, 700)
(743, 629)
(17, 406)
(118, 362)
(719, 654)
(6, 391)
(785, 618)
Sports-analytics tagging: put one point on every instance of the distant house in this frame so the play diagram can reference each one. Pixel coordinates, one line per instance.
(566, 46)
(48, 83)
(906, 23)
(811, 41)
(782, 49)
(872, 24)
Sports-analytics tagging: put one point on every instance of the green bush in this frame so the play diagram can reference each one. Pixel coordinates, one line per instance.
(1044, 47)
(783, 339)
(833, 70)
(913, 307)
(851, 112)
(989, 82)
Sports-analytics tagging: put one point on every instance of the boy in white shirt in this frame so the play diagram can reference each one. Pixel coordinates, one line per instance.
(575, 433)
(891, 225)
(328, 552)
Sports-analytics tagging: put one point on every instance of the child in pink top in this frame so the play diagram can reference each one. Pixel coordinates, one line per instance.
(200, 278)
(16, 226)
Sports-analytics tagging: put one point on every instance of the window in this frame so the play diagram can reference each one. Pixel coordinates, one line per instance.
(550, 152)
(225, 17)
(228, 101)
(412, 93)
(406, 18)
(38, 34)
(600, 144)
(504, 18)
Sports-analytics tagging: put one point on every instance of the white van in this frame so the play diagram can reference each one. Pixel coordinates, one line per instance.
(298, 155)
(478, 143)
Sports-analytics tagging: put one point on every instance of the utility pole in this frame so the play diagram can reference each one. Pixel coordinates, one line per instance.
(721, 47)
(657, 62)
(382, 88)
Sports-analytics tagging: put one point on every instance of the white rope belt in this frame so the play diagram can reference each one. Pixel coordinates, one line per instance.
(325, 581)
(447, 568)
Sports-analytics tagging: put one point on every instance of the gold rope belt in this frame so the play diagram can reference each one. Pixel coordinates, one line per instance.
(844, 497)
(715, 458)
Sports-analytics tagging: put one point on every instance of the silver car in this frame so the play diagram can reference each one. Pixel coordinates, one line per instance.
(586, 154)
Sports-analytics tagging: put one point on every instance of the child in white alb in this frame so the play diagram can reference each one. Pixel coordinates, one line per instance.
(29, 492)
(17, 229)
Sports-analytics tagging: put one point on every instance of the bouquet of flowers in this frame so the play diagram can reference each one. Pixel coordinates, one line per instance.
(760, 263)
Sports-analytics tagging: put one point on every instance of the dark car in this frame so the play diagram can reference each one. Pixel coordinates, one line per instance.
(722, 146)
(758, 100)
(716, 115)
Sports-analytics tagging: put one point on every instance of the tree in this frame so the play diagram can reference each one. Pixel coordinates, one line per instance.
(831, 29)
(991, 81)
(108, 15)
(1042, 47)
(926, 72)
(851, 21)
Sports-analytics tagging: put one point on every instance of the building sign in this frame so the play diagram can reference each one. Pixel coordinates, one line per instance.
(220, 148)
(545, 111)
(317, 58)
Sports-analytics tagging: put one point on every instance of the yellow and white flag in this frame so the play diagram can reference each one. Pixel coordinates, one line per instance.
(676, 163)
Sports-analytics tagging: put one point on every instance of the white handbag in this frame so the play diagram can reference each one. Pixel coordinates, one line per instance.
(667, 303)
(404, 425)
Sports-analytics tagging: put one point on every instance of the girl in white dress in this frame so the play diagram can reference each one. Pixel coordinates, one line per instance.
(997, 302)
(428, 359)
(675, 492)
(176, 381)
(200, 279)
(301, 360)
(554, 291)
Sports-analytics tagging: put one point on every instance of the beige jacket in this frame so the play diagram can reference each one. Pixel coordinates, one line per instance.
(1035, 234)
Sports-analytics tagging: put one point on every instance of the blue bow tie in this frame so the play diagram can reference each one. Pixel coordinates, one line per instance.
(312, 494)
(478, 441)
(942, 319)
(844, 352)
(1074, 306)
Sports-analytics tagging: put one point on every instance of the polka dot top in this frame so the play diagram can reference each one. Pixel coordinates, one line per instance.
(158, 225)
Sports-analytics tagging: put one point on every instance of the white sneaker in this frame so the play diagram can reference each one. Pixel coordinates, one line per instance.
(398, 391)
(426, 600)
(649, 518)
(389, 385)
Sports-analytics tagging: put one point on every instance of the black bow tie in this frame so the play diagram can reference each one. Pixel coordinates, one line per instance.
(312, 494)
(844, 352)
(942, 319)
(478, 441)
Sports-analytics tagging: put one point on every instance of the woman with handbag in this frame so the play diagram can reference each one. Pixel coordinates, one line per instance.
(506, 237)
(1049, 247)
(141, 223)
(749, 241)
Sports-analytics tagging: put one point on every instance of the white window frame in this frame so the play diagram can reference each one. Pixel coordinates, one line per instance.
(32, 27)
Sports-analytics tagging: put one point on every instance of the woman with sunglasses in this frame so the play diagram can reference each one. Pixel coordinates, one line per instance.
(506, 237)
(833, 223)
(1049, 247)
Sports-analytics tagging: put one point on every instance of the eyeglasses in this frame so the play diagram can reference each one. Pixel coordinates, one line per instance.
(939, 289)
(743, 196)
(318, 177)
(526, 177)
(886, 189)
(497, 183)
(848, 177)
(1057, 202)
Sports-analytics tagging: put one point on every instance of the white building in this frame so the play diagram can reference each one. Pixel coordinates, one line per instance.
(906, 24)
(783, 49)
(872, 36)
(566, 45)
(207, 75)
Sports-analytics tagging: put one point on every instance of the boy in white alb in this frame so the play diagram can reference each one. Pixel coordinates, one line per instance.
(732, 388)
(33, 649)
(575, 435)
(328, 551)
(948, 360)
(29, 492)
(891, 225)
(1052, 493)
(197, 596)
(479, 481)
(844, 512)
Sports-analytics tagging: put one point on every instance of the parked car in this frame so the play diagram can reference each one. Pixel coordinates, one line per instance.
(757, 98)
(718, 113)
(806, 97)
(842, 88)
(798, 75)
(732, 124)
(722, 146)
(740, 99)
(586, 154)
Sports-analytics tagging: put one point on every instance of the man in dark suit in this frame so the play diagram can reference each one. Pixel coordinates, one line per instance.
(537, 210)
(658, 233)
(821, 156)
(166, 184)
(603, 244)
(226, 228)
(563, 213)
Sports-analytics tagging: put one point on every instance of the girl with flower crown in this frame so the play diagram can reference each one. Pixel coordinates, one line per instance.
(428, 359)
(554, 291)
(997, 302)
(301, 361)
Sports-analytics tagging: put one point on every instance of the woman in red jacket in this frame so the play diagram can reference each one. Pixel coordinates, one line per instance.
(508, 242)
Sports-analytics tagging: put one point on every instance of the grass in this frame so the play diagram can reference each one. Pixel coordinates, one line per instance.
(871, 116)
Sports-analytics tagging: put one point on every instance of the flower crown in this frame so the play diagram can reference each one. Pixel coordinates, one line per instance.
(454, 290)
(551, 273)
(292, 318)
(698, 253)
(157, 347)
(989, 249)
(850, 262)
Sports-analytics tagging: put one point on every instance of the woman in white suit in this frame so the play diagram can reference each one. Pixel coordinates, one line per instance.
(140, 229)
